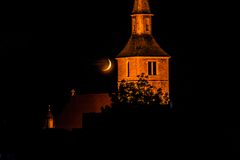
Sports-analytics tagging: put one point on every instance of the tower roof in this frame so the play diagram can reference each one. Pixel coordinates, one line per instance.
(141, 42)
(142, 45)
(141, 6)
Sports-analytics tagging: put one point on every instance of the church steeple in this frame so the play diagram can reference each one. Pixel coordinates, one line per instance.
(141, 18)
(141, 6)
(49, 120)
(141, 42)
(142, 54)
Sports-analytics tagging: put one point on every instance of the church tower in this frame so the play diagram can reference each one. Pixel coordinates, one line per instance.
(142, 54)
(49, 121)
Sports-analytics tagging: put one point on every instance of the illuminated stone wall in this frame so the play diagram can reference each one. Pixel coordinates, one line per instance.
(139, 65)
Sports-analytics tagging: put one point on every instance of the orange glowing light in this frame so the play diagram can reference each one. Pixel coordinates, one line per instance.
(109, 66)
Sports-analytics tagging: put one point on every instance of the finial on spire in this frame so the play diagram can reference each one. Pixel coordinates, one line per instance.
(49, 120)
(73, 92)
(141, 6)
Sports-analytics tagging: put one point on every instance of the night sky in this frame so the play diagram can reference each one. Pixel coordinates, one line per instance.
(50, 48)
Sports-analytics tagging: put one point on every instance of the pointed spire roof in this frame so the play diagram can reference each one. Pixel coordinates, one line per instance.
(141, 6)
(49, 112)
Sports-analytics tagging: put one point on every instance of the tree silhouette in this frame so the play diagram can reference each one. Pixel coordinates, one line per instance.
(139, 93)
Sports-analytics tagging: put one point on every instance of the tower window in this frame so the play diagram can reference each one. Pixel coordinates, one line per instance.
(147, 24)
(128, 69)
(147, 27)
(134, 24)
(152, 68)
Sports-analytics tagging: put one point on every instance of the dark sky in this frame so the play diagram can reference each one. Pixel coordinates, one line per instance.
(46, 48)
(51, 47)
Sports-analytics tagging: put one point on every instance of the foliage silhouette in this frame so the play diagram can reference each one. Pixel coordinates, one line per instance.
(136, 96)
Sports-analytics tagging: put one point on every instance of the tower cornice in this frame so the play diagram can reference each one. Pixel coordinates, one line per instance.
(143, 14)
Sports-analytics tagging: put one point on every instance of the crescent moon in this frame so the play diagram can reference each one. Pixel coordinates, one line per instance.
(109, 65)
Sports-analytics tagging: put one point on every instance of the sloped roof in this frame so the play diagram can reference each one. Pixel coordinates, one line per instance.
(142, 45)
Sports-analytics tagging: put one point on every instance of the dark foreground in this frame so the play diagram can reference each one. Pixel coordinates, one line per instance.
(121, 136)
